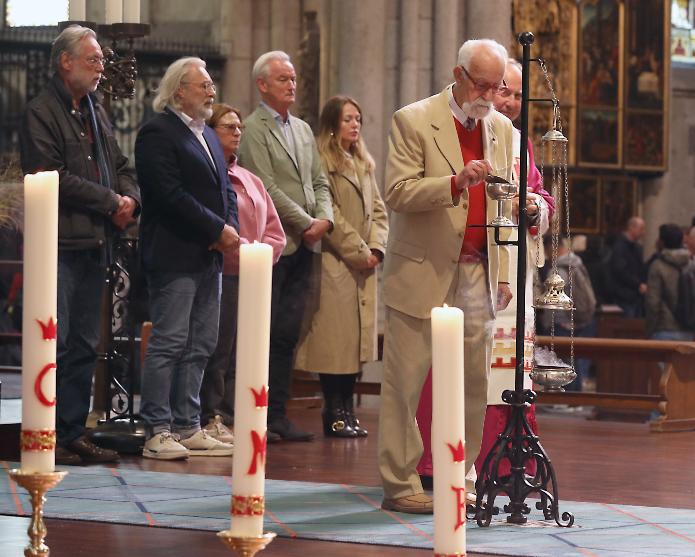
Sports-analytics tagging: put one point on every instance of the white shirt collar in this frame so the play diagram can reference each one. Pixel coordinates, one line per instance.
(456, 110)
(196, 125)
(275, 114)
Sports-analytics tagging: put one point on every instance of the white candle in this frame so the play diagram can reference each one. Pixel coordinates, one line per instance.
(251, 391)
(114, 11)
(39, 321)
(448, 432)
(77, 10)
(131, 11)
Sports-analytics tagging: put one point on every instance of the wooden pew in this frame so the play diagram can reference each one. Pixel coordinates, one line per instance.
(675, 398)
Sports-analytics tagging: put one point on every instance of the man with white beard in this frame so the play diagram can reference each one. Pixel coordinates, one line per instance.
(189, 218)
(441, 149)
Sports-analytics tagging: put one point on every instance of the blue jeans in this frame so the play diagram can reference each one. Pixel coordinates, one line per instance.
(185, 310)
(81, 276)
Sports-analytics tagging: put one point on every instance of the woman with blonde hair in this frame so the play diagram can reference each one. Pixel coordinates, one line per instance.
(340, 331)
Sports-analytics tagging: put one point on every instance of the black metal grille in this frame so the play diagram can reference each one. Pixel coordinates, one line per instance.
(24, 71)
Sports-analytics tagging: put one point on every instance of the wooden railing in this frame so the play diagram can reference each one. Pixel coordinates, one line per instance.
(674, 397)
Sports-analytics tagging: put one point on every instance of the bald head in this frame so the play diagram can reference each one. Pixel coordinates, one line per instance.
(635, 229)
(508, 100)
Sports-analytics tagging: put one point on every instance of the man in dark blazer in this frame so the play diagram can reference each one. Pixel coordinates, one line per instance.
(189, 217)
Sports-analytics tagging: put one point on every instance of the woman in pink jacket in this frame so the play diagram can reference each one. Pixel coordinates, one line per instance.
(258, 221)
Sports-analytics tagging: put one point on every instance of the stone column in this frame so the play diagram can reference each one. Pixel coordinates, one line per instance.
(360, 65)
(409, 58)
(489, 19)
(446, 41)
(235, 44)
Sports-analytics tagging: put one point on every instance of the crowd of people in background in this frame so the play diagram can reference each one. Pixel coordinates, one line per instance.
(210, 180)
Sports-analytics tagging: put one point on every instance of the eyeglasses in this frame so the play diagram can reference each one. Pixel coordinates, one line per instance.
(96, 61)
(231, 127)
(207, 86)
(481, 87)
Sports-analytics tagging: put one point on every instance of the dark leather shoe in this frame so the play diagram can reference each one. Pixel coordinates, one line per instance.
(288, 431)
(273, 437)
(90, 453)
(66, 457)
(427, 482)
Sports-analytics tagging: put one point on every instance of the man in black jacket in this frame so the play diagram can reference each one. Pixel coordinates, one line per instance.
(627, 271)
(65, 129)
(189, 218)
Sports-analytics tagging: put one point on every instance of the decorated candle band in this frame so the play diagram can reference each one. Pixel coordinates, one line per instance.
(250, 505)
(37, 440)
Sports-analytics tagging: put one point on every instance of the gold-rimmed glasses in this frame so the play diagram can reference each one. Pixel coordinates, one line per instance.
(482, 87)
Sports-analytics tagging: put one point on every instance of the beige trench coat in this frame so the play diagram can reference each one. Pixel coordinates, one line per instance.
(340, 321)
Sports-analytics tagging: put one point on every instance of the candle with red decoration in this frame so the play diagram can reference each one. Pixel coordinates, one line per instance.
(39, 326)
(448, 432)
(251, 394)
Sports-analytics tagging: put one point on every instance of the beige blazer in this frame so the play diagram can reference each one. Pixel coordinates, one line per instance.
(427, 226)
(296, 184)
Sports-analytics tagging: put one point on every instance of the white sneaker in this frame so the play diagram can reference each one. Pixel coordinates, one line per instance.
(219, 431)
(164, 446)
(202, 444)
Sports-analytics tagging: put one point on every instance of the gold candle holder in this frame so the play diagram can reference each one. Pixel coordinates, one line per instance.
(37, 484)
(246, 546)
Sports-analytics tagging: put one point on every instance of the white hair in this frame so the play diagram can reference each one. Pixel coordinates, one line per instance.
(260, 67)
(514, 63)
(67, 41)
(166, 92)
(469, 48)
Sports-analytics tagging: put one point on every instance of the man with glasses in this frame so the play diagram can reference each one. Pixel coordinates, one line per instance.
(441, 149)
(65, 129)
(189, 219)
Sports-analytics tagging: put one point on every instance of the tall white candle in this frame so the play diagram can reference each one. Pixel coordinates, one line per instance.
(131, 11)
(39, 321)
(114, 11)
(251, 390)
(448, 432)
(77, 10)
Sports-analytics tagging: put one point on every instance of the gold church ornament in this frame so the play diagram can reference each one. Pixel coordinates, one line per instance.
(246, 546)
(37, 484)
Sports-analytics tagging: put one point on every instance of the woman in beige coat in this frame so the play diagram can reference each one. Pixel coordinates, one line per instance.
(340, 331)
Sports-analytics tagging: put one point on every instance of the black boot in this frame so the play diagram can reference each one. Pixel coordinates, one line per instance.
(349, 406)
(335, 422)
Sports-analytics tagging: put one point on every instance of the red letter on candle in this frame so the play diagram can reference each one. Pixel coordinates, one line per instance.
(460, 506)
(259, 444)
(38, 390)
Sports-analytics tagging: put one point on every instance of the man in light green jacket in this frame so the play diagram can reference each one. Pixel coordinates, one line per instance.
(281, 150)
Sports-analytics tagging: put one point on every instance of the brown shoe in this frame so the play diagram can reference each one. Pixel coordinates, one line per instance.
(66, 457)
(412, 504)
(90, 453)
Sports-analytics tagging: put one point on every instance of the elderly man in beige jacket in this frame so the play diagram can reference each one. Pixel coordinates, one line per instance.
(441, 149)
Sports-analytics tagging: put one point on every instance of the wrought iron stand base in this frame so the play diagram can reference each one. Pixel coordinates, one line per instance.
(125, 434)
(518, 446)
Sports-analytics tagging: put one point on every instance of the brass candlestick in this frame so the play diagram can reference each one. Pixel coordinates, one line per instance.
(243, 545)
(37, 484)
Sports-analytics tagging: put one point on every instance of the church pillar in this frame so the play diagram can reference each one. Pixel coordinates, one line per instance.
(235, 44)
(489, 19)
(446, 41)
(359, 64)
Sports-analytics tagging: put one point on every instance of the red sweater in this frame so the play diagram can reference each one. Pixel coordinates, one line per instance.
(474, 239)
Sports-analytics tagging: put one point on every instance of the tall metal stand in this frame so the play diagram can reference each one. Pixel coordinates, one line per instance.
(518, 444)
